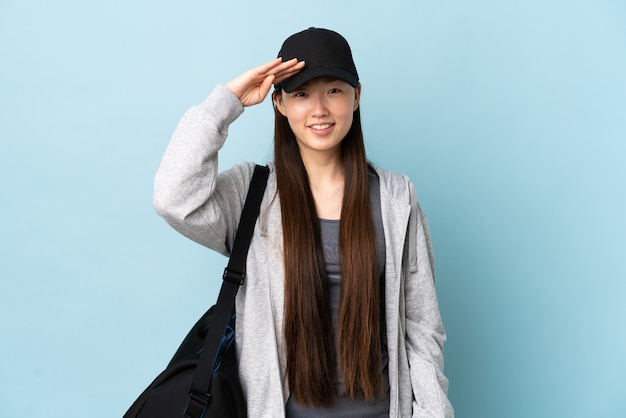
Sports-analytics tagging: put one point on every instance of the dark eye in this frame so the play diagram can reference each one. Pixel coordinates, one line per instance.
(299, 94)
(334, 90)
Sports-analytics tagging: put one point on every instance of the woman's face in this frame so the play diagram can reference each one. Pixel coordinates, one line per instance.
(320, 113)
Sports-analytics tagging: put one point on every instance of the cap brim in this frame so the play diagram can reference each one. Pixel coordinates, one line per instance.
(307, 74)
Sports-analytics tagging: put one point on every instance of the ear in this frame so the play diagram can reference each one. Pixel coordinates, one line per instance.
(357, 97)
(277, 98)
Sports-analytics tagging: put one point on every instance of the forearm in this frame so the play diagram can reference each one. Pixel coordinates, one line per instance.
(188, 193)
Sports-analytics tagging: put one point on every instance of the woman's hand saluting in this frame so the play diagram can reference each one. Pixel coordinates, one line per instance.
(252, 86)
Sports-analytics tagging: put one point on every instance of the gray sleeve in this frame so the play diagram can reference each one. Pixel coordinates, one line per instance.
(189, 193)
(425, 334)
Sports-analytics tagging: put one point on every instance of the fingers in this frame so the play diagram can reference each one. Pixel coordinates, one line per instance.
(252, 86)
(267, 68)
(287, 71)
(279, 69)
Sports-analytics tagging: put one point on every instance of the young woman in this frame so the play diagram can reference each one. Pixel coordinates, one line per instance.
(338, 316)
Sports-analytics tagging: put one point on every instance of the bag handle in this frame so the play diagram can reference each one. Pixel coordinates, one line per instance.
(234, 276)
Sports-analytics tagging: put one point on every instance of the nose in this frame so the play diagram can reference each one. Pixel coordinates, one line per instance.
(319, 107)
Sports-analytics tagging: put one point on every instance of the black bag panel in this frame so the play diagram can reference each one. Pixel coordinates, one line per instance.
(226, 386)
(167, 395)
(147, 398)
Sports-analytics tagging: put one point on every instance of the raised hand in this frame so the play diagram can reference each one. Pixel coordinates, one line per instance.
(252, 86)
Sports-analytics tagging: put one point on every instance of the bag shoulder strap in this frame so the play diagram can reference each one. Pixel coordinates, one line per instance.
(234, 276)
(236, 269)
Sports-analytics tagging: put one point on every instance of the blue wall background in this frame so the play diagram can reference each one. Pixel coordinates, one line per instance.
(508, 115)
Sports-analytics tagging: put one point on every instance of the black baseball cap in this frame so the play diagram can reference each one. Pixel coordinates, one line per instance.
(326, 53)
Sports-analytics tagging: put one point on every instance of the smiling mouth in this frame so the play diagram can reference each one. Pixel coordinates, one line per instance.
(321, 127)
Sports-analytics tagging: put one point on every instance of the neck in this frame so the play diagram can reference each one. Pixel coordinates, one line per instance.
(326, 179)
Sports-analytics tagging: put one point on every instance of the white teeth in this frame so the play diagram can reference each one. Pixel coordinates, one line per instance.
(320, 127)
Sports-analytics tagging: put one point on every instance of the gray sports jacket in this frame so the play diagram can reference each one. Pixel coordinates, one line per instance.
(204, 205)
